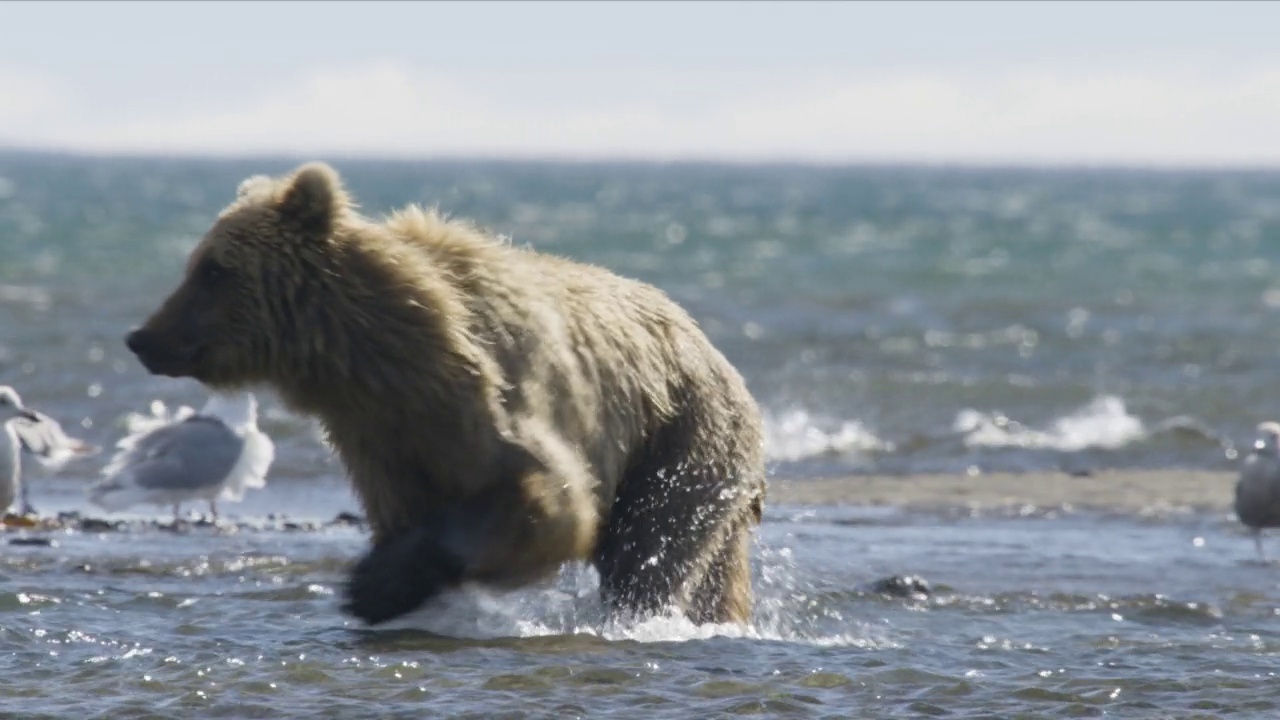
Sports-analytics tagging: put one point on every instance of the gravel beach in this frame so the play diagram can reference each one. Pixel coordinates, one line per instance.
(1119, 491)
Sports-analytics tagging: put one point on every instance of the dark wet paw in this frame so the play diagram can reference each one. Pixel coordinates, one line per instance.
(399, 575)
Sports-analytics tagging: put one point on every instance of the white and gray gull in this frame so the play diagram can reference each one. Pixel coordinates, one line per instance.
(213, 454)
(1257, 501)
(24, 429)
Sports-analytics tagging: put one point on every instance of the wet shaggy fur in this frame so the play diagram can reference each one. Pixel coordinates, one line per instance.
(500, 411)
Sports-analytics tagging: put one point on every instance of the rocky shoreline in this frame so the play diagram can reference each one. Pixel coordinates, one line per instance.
(1126, 492)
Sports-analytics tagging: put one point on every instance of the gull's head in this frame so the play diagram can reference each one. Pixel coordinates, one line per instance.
(1268, 442)
(234, 409)
(11, 406)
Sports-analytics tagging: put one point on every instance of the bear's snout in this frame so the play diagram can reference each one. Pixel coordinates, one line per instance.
(141, 342)
(156, 354)
(136, 340)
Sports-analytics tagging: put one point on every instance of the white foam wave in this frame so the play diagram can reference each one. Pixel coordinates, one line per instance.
(798, 435)
(34, 296)
(138, 424)
(1103, 423)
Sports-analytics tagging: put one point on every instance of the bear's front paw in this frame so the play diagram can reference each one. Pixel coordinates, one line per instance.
(398, 575)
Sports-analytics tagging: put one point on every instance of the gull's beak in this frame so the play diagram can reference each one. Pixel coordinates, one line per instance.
(29, 414)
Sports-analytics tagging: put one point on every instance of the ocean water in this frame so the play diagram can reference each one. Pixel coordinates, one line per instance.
(889, 320)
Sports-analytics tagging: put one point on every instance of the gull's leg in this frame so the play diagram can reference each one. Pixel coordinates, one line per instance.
(24, 504)
(175, 513)
(213, 508)
(1257, 541)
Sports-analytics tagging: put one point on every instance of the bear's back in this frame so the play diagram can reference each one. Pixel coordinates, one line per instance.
(605, 359)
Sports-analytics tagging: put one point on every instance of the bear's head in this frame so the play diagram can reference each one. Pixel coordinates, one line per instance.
(247, 283)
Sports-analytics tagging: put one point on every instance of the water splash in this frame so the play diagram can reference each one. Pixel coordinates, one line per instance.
(786, 610)
(1103, 423)
(798, 435)
(137, 423)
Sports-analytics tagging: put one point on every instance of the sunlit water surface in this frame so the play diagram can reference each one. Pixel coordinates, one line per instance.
(1033, 612)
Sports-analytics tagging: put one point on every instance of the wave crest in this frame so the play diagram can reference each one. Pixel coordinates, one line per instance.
(798, 435)
(1103, 423)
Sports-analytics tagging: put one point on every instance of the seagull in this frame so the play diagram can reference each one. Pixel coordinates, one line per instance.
(22, 428)
(213, 454)
(1258, 489)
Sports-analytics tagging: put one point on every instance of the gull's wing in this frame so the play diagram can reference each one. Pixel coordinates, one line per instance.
(45, 439)
(1257, 500)
(195, 454)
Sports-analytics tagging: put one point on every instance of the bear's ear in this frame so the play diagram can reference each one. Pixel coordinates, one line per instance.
(313, 200)
(254, 184)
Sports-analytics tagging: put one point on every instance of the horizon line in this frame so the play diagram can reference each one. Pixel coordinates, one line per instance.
(687, 160)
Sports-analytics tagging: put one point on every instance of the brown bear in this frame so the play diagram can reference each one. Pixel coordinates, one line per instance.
(500, 411)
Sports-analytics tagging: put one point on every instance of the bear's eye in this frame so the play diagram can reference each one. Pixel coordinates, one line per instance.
(211, 272)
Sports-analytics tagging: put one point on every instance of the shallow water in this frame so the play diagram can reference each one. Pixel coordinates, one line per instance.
(1035, 612)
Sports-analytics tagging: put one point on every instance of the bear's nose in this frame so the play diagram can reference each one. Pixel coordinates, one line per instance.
(136, 340)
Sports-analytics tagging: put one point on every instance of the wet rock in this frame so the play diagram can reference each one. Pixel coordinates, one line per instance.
(19, 521)
(347, 518)
(34, 541)
(96, 525)
(912, 587)
(75, 521)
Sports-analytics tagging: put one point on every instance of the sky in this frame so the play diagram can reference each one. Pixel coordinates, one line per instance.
(1022, 83)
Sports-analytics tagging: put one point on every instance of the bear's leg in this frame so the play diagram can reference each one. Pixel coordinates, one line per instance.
(539, 513)
(724, 593)
(403, 571)
(675, 519)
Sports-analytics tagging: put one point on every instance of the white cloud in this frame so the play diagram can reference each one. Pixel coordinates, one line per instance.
(1037, 117)
(387, 108)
